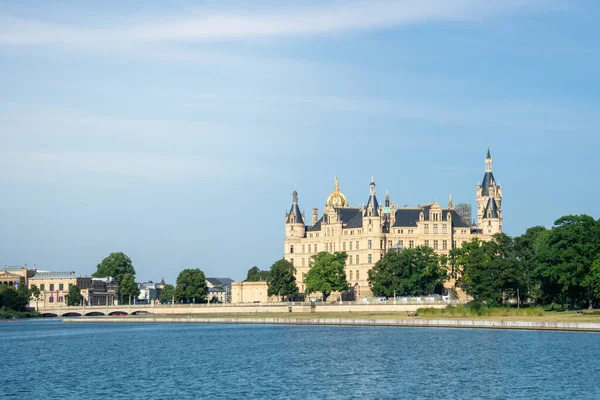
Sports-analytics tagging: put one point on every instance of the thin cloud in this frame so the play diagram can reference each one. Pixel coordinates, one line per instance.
(323, 19)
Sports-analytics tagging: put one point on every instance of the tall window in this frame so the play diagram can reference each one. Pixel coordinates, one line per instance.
(435, 228)
(426, 228)
(357, 261)
(357, 275)
(444, 245)
(411, 244)
(435, 244)
(309, 248)
(350, 244)
(427, 243)
(303, 248)
(369, 258)
(350, 274)
(292, 249)
(316, 251)
(52, 287)
(389, 244)
(357, 245)
(42, 287)
(344, 246)
(369, 244)
(61, 286)
(444, 228)
(292, 261)
(350, 260)
(303, 261)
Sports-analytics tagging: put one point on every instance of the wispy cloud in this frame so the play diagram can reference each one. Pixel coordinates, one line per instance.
(317, 19)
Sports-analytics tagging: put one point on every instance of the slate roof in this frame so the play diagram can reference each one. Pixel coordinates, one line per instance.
(225, 281)
(316, 227)
(491, 208)
(296, 211)
(373, 203)
(55, 275)
(408, 217)
(488, 180)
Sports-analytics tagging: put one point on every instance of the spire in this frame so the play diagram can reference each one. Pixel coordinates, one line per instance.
(387, 198)
(373, 200)
(295, 216)
(488, 160)
(450, 201)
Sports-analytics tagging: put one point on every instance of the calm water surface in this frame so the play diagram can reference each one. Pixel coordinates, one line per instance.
(51, 360)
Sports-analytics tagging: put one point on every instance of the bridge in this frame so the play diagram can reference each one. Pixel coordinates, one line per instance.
(171, 309)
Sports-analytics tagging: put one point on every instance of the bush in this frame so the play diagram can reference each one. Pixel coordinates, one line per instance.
(477, 309)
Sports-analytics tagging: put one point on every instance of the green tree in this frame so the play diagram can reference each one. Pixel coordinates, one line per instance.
(74, 297)
(35, 292)
(15, 299)
(526, 248)
(490, 270)
(281, 279)
(567, 255)
(128, 289)
(116, 265)
(407, 272)
(256, 275)
(191, 286)
(326, 274)
(167, 294)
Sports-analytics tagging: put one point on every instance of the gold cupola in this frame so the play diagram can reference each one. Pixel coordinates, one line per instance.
(336, 199)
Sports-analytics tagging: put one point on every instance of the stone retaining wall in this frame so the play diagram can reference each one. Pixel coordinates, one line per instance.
(438, 323)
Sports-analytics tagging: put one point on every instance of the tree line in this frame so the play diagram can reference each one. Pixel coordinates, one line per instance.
(560, 265)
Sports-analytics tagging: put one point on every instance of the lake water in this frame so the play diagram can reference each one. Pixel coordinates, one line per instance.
(48, 359)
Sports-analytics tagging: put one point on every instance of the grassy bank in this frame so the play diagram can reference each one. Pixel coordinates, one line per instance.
(7, 313)
(470, 311)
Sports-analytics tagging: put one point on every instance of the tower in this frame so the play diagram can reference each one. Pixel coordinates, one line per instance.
(489, 201)
(294, 220)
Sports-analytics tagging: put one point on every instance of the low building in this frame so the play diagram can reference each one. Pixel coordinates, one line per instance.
(103, 292)
(220, 289)
(55, 286)
(251, 292)
(15, 275)
(149, 292)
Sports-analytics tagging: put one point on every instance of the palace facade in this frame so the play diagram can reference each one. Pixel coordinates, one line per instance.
(366, 233)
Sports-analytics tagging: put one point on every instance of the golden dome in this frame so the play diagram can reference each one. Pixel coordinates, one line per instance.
(336, 199)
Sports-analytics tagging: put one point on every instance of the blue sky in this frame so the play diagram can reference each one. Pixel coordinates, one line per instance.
(177, 133)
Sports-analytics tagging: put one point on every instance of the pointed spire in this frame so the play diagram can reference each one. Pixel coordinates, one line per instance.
(372, 185)
(387, 196)
(488, 160)
(450, 200)
(294, 197)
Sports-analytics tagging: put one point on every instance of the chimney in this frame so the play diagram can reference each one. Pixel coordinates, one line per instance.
(315, 216)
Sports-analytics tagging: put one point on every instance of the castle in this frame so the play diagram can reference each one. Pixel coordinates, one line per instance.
(367, 233)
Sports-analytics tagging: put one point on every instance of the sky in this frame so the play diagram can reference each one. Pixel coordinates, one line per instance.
(176, 131)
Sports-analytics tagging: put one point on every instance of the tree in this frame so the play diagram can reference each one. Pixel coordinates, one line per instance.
(191, 286)
(34, 292)
(74, 297)
(527, 248)
(407, 272)
(281, 279)
(116, 265)
(256, 275)
(490, 270)
(567, 255)
(15, 299)
(167, 294)
(326, 274)
(128, 289)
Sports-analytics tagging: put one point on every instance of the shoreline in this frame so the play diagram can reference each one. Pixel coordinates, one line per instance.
(420, 323)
